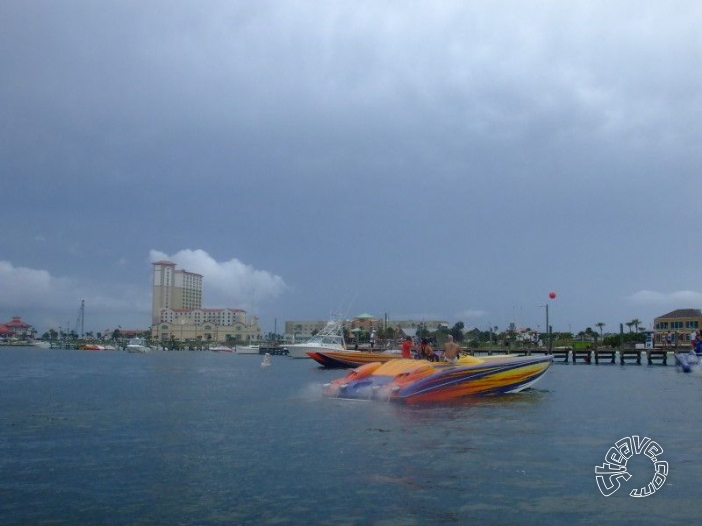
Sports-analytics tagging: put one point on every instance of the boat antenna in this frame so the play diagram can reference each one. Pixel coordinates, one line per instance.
(346, 314)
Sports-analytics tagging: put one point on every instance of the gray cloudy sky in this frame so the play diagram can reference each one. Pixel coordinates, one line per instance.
(453, 160)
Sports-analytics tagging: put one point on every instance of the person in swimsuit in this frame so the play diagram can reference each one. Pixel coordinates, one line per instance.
(451, 350)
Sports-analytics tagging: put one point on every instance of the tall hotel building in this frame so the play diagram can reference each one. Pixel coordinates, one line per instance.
(177, 312)
(174, 289)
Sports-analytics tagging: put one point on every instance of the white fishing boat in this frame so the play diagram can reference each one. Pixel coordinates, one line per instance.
(221, 348)
(331, 338)
(138, 345)
(247, 349)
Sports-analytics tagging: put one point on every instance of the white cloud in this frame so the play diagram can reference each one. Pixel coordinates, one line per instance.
(680, 298)
(24, 288)
(227, 283)
(470, 314)
(47, 301)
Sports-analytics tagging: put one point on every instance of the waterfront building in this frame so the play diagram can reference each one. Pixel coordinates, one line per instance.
(679, 323)
(207, 325)
(186, 329)
(430, 325)
(301, 330)
(177, 312)
(364, 322)
(367, 323)
(16, 328)
(200, 316)
(174, 289)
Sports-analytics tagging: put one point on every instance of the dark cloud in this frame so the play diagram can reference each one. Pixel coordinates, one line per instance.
(439, 158)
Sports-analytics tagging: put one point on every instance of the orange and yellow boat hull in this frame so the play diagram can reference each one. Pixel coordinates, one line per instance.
(412, 381)
(348, 359)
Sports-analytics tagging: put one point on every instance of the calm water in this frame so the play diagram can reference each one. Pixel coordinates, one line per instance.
(206, 438)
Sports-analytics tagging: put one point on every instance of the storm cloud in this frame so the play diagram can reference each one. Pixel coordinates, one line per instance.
(445, 159)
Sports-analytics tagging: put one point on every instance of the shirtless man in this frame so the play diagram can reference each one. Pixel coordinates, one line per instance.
(426, 352)
(451, 350)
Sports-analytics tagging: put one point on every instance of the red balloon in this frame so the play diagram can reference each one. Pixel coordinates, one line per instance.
(552, 295)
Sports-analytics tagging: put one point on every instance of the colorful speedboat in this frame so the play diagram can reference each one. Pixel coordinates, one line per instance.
(412, 381)
(346, 359)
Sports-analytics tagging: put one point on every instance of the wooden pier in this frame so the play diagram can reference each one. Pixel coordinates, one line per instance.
(561, 354)
(585, 355)
(659, 356)
(605, 354)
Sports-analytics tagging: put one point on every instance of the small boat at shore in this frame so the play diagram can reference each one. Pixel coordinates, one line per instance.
(247, 349)
(96, 347)
(221, 348)
(413, 381)
(351, 358)
(138, 345)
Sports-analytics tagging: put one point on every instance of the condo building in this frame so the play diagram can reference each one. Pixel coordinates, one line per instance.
(177, 312)
(174, 289)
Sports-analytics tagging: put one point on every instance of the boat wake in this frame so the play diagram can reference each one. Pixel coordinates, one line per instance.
(311, 392)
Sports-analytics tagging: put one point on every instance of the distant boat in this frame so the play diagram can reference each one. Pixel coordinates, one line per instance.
(266, 360)
(41, 344)
(221, 348)
(351, 358)
(247, 349)
(331, 338)
(138, 345)
(96, 347)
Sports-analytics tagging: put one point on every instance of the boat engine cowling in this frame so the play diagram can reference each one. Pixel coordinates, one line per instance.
(362, 371)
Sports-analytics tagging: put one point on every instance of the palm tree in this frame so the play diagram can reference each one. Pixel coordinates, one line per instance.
(636, 322)
(600, 325)
(629, 324)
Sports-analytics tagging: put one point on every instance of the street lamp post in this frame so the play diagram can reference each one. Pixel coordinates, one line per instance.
(548, 330)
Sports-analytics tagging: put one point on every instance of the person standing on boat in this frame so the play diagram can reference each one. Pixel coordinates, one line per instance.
(407, 347)
(451, 350)
(698, 343)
